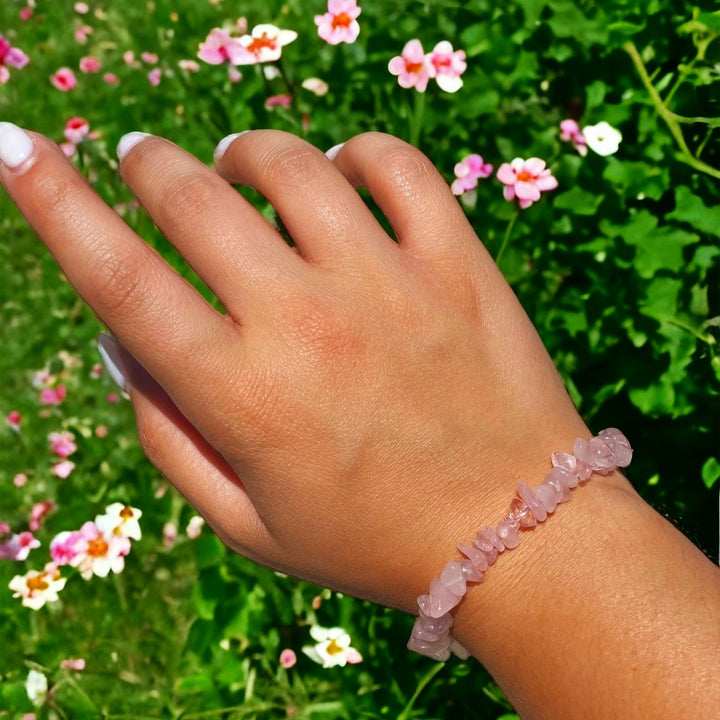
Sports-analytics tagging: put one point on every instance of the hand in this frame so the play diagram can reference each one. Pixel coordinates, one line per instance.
(364, 404)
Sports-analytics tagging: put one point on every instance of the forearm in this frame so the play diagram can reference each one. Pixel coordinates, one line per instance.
(605, 610)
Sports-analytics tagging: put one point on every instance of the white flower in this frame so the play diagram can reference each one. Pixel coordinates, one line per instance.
(120, 520)
(194, 527)
(332, 648)
(264, 44)
(37, 687)
(602, 138)
(316, 86)
(38, 587)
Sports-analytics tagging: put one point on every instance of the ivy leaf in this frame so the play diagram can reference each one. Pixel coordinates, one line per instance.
(690, 209)
(710, 472)
(578, 201)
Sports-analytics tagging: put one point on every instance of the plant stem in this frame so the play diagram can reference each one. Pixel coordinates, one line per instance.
(667, 115)
(405, 714)
(506, 239)
(416, 118)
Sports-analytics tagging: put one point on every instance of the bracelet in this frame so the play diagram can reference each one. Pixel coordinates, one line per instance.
(431, 633)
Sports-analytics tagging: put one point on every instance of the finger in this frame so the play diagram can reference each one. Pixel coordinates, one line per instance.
(160, 318)
(411, 193)
(324, 215)
(191, 464)
(226, 240)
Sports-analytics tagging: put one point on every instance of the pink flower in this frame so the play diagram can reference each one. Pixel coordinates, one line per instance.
(20, 479)
(467, 173)
(189, 66)
(278, 101)
(63, 469)
(169, 534)
(412, 67)
(18, 547)
(64, 79)
(38, 512)
(525, 180)
(102, 553)
(76, 129)
(111, 78)
(53, 396)
(219, 47)
(81, 8)
(4, 528)
(73, 664)
(149, 58)
(264, 44)
(62, 443)
(89, 64)
(288, 658)
(10, 57)
(339, 23)
(154, 76)
(26, 13)
(234, 75)
(129, 57)
(101, 431)
(449, 65)
(66, 546)
(68, 149)
(82, 34)
(316, 86)
(570, 132)
(13, 420)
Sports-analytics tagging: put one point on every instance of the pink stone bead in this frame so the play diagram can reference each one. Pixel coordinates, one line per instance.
(603, 458)
(562, 475)
(570, 463)
(438, 650)
(470, 571)
(487, 547)
(508, 534)
(491, 536)
(546, 495)
(618, 444)
(442, 599)
(475, 555)
(458, 650)
(439, 626)
(520, 512)
(562, 494)
(453, 579)
(531, 500)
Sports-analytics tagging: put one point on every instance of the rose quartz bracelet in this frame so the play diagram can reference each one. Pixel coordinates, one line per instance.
(431, 634)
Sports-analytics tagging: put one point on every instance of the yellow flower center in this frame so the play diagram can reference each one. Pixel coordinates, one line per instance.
(333, 648)
(341, 20)
(524, 176)
(36, 583)
(97, 548)
(414, 67)
(126, 513)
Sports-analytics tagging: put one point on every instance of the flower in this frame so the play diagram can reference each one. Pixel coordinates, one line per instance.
(53, 396)
(89, 64)
(26, 13)
(602, 138)
(169, 533)
(219, 47)
(149, 58)
(100, 553)
(36, 687)
(120, 519)
(63, 468)
(66, 546)
(316, 86)
(154, 76)
(570, 132)
(189, 66)
(82, 33)
(339, 24)
(525, 179)
(13, 420)
(38, 587)
(62, 443)
(412, 67)
(81, 8)
(111, 78)
(38, 512)
(194, 527)
(288, 658)
(264, 44)
(20, 479)
(449, 65)
(76, 129)
(73, 664)
(467, 173)
(278, 101)
(18, 547)
(64, 79)
(12, 57)
(332, 647)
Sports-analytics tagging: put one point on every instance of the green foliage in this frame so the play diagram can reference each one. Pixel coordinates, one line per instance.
(619, 269)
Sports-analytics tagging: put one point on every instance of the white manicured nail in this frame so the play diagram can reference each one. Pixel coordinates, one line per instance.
(333, 151)
(225, 143)
(128, 142)
(16, 146)
(113, 362)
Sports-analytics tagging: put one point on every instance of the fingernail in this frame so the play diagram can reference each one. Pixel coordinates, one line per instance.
(16, 146)
(333, 151)
(113, 362)
(128, 142)
(225, 143)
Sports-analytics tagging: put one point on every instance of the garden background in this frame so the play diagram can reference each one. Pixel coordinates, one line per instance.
(619, 268)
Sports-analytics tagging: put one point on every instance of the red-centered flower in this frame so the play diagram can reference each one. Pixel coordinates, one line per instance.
(412, 67)
(339, 24)
(526, 180)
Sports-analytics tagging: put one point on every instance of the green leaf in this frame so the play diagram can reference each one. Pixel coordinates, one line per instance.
(690, 209)
(578, 201)
(710, 472)
(209, 551)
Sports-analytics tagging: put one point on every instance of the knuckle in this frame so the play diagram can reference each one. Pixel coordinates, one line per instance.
(406, 167)
(118, 283)
(292, 165)
(185, 196)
